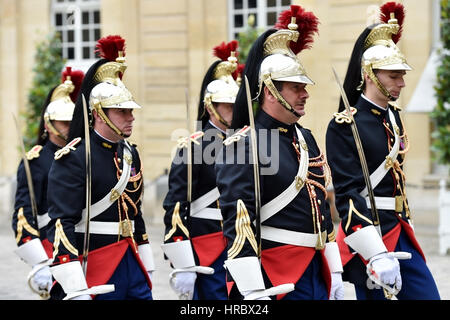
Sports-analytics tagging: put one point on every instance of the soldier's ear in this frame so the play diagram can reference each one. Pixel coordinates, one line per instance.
(208, 110)
(95, 116)
(367, 78)
(268, 95)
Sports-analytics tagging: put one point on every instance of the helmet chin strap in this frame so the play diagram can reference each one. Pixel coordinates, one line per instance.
(210, 106)
(52, 129)
(378, 84)
(102, 115)
(273, 90)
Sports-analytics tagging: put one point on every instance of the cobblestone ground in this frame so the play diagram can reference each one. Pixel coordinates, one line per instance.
(13, 271)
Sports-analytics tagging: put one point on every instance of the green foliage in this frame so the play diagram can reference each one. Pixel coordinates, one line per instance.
(441, 112)
(246, 39)
(48, 64)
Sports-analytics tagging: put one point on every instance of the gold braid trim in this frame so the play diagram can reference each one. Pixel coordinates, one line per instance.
(400, 177)
(124, 197)
(22, 223)
(243, 231)
(60, 236)
(351, 209)
(176, 221)
(332, 236)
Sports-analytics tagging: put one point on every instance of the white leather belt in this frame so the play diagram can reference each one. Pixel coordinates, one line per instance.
(205, 200)
(208, 213)
(102, 227)
(382, 170)
(283, 199)
(43, 220)
(387, 203)
(103, 204)
(291, 237)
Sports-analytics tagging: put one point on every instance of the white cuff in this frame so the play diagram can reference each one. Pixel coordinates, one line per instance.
(179, 253)
(146, 255)
(246, 273)
(366, 241)
(32, 252)
(70, 276)
(333, 257)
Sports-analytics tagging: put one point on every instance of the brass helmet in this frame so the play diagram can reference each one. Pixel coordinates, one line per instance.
(380, 49)
(280, 61)
(62, 101)
(220, 84)
(110, 91)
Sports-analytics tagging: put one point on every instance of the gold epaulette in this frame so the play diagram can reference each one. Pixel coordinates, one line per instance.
(34, 152)
(395, 106)
(183, 141)
(67, 148)
(237, 136)
(343, 117)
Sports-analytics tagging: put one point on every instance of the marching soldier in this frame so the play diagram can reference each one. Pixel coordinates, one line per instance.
(376, 236)
(276, 218)
(108, 236)
(194, 238)
(30, 227)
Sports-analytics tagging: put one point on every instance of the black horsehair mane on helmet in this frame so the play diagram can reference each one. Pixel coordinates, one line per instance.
(223, 52)
(251, 71)
(353, 76)
(77, 124)
(42, 137)
(202, 114)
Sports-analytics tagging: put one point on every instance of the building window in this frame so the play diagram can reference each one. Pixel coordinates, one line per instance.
(78, 22)
(265, 13)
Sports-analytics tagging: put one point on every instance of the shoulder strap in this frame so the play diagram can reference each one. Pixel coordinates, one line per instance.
(115, 192)
(284, 198)
(383, 168)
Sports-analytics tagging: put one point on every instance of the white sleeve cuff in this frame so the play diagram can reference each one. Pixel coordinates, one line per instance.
(179, 253)
(246, 273)
(146, 255)
(32, 252)
(70, 276)
(366, 241)
(333, 257)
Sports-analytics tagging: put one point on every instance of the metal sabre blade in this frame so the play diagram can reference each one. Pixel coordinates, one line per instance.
(87, 145)
(34, 209)
(189, 150)
(254, 146)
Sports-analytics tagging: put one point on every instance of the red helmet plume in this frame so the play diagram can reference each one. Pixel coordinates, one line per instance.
(399, 11)
(109, 47)
(307, 25)
(223, 50)
(239, 70)
(76, 76)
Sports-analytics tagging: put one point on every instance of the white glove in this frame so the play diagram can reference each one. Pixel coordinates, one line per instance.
(385, 268)
(247, 295)
(337, 286)
(184, 282)
(43, 278)
(82, 297)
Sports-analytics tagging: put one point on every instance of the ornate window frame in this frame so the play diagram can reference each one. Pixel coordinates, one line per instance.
(265, 11)
(78, 22)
